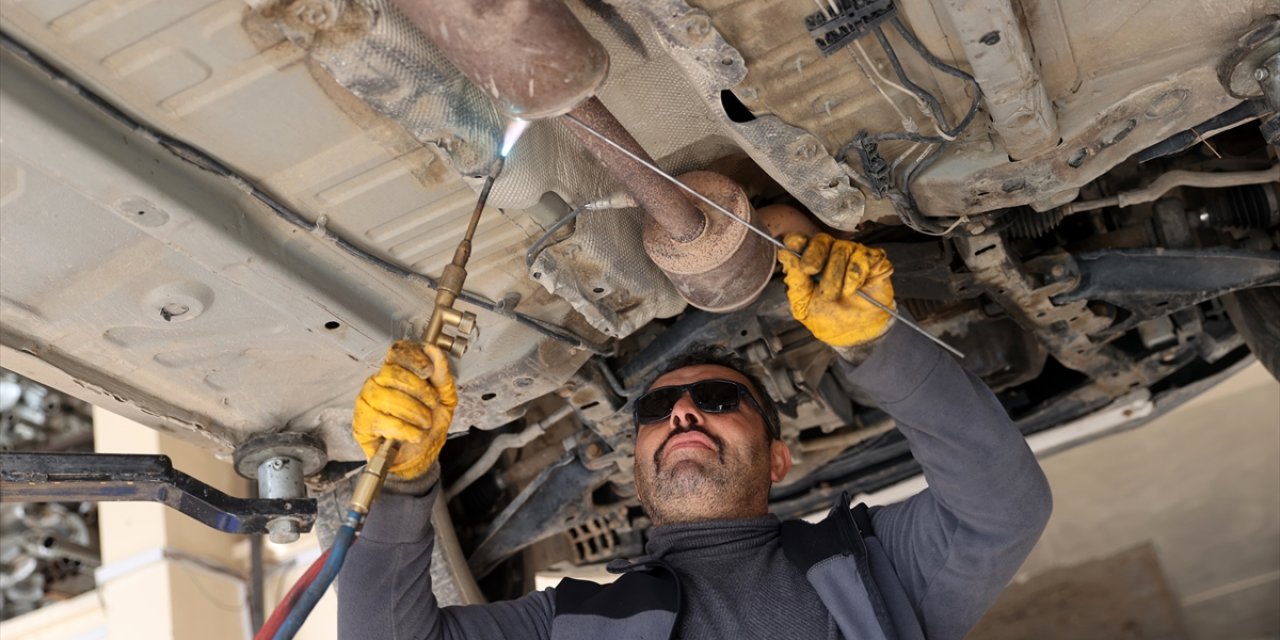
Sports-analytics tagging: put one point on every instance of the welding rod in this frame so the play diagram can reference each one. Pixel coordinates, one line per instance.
(760, 232)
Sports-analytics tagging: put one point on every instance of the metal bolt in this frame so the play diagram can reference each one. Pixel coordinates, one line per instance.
(314, 14)
(280, 477)
(806, 150)
(1058, 271)
(697, 27)
(283, 531)
(1261, 74)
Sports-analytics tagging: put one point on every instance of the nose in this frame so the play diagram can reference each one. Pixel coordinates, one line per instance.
(685, 412)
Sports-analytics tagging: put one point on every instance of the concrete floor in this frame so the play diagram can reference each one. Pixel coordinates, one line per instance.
(1202, 485)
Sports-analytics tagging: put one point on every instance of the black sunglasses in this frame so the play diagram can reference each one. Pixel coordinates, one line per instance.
(712, 396)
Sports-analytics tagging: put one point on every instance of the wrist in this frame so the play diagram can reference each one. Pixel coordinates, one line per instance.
(418, 486)
(856, 353)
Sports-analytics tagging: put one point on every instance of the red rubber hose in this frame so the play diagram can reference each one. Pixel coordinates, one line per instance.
(281, 612)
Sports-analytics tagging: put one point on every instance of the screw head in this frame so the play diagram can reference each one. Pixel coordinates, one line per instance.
(1261, 73)
(283, 531)
(698, 27)
(313, 14)
(806, 150)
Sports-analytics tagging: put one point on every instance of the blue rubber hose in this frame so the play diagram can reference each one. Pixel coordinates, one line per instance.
(307, 601)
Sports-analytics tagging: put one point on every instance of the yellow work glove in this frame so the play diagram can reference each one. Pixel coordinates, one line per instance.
(831, 308)
(410, 399)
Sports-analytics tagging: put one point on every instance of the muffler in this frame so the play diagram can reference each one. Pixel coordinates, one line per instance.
(536, 60)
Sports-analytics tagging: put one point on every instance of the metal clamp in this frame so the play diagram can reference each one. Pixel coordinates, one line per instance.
(99, 477)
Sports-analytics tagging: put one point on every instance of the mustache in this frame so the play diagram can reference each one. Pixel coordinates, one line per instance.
(716, 440)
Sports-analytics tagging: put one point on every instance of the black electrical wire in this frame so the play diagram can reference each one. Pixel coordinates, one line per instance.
(875, 169)
(928, 56)
(536, 247)
(930, 100)
(905, 202)
(202, 159)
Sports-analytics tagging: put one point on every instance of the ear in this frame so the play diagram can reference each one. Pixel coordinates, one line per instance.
(779, 460)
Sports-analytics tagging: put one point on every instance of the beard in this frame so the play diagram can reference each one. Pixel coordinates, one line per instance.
(733, 485)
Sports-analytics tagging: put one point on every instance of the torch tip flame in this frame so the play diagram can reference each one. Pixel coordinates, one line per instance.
(515, 129)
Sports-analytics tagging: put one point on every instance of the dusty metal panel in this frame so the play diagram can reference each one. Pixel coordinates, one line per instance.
(1101, 65)
(168, 294)
(1005, 66)
(791, 153)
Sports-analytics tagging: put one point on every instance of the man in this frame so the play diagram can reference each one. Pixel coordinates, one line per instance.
(717, 565)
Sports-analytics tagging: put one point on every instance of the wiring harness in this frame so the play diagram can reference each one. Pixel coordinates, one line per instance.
(841, 23)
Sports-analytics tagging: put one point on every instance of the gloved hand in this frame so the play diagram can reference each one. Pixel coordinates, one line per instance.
(832, 309)
(410, 399)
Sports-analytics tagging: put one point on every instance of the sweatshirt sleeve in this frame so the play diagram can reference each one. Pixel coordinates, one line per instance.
(955, 545)
(384, 589)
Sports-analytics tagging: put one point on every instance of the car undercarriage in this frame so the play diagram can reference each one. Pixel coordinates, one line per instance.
(217, 214)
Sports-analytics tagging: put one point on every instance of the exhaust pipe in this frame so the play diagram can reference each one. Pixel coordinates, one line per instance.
(533, 57)
(536, 60)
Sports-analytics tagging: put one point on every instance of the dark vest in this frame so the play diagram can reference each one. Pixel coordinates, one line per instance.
(840, 556)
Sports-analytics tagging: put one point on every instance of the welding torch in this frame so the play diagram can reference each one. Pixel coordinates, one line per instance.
(298, 603)
(450, 286)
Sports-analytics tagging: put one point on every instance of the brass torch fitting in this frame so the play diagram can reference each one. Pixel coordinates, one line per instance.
(370, 483)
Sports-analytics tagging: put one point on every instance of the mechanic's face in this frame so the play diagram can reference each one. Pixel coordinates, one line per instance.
(697, 465)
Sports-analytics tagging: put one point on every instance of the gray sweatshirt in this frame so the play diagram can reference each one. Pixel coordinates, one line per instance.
(936, 561)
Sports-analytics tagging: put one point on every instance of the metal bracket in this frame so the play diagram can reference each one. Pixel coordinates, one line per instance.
(845, 21)
(1153, 283)
(99, 477)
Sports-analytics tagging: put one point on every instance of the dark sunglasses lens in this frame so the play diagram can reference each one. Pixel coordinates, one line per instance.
(657, 404)
(716, 396)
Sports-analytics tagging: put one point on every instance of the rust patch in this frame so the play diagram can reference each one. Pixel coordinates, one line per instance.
(664, 202)
(321, 23)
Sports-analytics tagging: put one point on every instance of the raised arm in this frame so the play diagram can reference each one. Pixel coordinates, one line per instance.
(384, 590)
(955, 545)
(958, 543)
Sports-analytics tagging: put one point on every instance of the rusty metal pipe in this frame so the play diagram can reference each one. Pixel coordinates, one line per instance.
(532, 57)
(535, 60)
(663, 202)
(727, 266)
